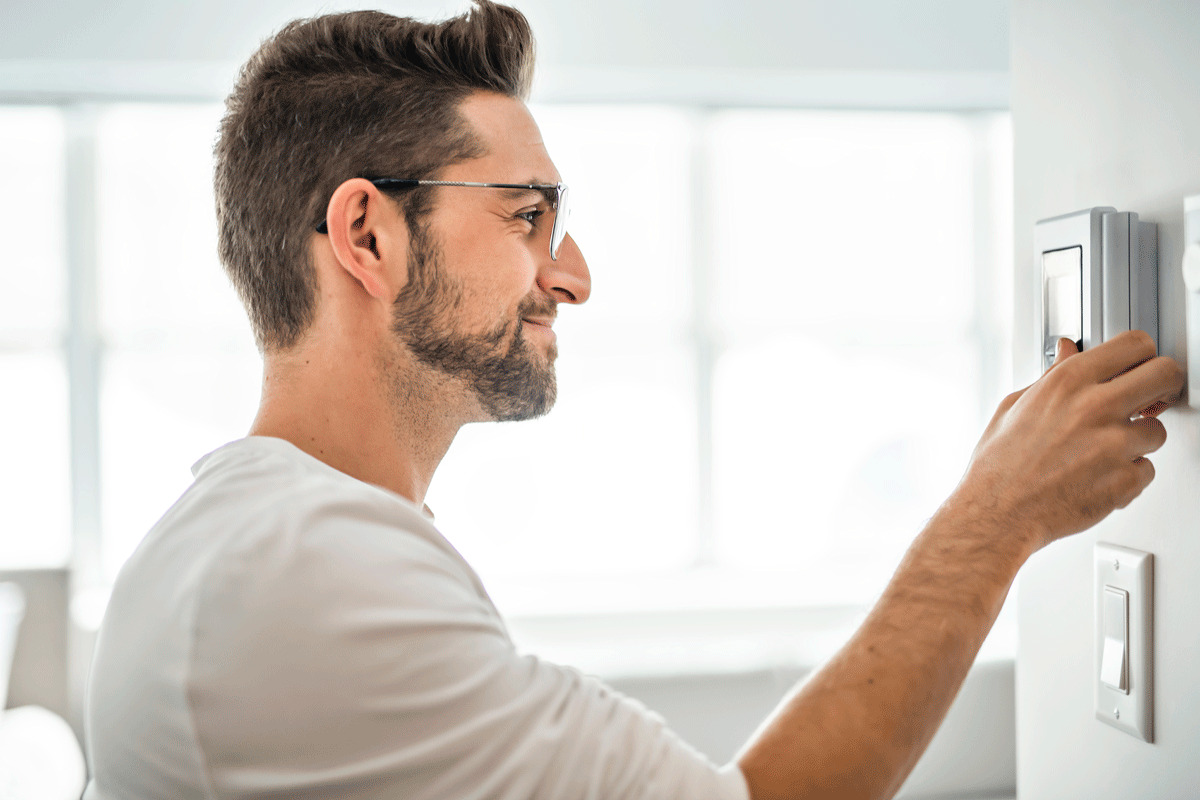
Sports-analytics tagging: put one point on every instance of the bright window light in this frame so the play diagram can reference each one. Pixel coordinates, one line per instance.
(180, 372)
(603, 491)
(850, 222)
(793, 341)
(35, 527)
(33, 289)
(159, 273)
(35, 476)
(162, 408)
(846, 396)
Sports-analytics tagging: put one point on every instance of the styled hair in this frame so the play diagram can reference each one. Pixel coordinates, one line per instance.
(359, 94)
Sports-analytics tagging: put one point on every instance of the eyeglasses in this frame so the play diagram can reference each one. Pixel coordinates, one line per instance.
(561, 209)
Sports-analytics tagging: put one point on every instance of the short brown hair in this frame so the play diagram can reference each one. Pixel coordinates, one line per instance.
(327, 99)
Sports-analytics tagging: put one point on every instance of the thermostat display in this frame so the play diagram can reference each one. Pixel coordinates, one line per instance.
(1063, 270)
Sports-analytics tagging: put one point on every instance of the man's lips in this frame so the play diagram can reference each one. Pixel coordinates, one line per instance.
(541, 324)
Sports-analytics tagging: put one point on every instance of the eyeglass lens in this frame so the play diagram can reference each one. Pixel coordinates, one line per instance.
(559, 231)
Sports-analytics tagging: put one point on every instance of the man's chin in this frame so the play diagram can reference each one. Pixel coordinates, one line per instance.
(520, 385)
(528, 406)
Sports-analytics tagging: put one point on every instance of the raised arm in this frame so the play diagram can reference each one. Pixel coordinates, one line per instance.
(1056, 458)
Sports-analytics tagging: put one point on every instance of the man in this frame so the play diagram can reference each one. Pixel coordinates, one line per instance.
(295, 626)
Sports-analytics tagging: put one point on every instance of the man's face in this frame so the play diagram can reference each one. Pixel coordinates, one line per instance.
(483, 290)
(511, 380)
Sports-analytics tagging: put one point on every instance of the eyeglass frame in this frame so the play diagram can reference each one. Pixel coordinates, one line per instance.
(557, 233)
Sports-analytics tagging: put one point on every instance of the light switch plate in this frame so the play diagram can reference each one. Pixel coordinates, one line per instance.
(1131, 571)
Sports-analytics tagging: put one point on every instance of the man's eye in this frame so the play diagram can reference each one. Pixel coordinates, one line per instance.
(531, 215)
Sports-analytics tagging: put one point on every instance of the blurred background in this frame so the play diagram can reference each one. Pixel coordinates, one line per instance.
(798, 218)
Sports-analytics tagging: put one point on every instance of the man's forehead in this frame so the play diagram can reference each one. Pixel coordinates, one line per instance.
(514, 153)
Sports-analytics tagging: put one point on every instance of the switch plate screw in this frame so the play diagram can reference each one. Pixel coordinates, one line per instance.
(1116, 565)
(1117, 713)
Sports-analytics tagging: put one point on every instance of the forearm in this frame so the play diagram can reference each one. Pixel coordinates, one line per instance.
(857, 726)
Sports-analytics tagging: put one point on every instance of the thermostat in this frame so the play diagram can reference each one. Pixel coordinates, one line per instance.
(1099, 271)
(1191, 281)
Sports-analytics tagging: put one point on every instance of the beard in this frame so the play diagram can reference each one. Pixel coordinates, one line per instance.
(510, 379)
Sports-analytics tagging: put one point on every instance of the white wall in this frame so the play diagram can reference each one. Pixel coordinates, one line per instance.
(1106, 111)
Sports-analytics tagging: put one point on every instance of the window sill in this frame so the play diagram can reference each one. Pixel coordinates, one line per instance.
(693, 624)
(712, 641)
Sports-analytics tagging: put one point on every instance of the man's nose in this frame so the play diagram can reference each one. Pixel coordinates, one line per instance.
(566, 278)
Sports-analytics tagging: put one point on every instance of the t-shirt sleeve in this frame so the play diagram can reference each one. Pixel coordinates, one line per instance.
(362, 661)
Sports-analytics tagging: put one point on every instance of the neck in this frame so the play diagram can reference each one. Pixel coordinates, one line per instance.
(380, 420)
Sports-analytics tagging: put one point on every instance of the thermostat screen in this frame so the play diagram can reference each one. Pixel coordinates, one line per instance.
(1062, 272)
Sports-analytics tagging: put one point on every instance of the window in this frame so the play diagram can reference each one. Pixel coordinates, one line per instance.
(792, 347)
(35, 470)
(797, 331)
(847, 382)
(180, 373)
(605, 487)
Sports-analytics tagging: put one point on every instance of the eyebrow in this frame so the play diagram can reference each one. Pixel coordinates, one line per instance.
(546, 194)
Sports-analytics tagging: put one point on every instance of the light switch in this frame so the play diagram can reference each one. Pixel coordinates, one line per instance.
(1123, 676)
(1113, 667)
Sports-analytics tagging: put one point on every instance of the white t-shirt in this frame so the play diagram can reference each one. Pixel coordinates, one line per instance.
(286, 630)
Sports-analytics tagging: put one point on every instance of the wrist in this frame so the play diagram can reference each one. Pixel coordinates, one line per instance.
(959, 570)
(979, 519)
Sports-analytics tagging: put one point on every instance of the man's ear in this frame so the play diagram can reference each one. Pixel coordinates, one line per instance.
(368, 238)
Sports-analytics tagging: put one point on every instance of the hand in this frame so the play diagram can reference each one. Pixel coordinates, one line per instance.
(1061, 454)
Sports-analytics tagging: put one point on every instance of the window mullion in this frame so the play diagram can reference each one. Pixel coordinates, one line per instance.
(703, 246)
(83, 343)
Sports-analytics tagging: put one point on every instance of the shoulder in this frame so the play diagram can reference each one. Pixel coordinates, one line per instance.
(306, 560)
(264, 524)
(276, 513)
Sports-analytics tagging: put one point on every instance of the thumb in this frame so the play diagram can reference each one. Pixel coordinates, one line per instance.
(1065, 349)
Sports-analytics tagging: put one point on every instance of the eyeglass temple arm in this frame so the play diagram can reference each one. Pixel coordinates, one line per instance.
(410, 183)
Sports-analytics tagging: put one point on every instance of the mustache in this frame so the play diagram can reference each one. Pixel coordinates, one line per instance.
(534, 306)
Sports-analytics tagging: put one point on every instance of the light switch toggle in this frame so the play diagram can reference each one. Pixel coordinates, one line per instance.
(1114, 669)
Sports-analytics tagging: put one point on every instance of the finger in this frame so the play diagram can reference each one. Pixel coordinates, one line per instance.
(1159, 380)
(1062, 350)
(1116, 356)
(1148, 435)
(1124, 484)
(1143, 475)
(1155, 409)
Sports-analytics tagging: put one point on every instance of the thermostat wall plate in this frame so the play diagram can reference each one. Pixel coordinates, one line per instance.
(1191, 282)
(1099, 270)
